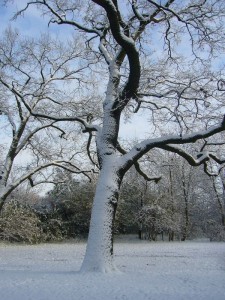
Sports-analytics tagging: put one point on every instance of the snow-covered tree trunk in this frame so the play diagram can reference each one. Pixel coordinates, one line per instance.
(99, 252)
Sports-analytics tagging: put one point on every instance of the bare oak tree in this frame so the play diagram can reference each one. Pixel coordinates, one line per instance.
(160, 61)
(30, 75)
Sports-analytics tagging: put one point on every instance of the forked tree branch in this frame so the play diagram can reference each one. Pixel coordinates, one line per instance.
(142, 148)
(201, 157)
(88, 150)
(87, 126)
(68, 166)
(138, 168)
(128, 45)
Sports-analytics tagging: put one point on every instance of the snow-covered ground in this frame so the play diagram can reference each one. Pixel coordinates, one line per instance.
(153, 271)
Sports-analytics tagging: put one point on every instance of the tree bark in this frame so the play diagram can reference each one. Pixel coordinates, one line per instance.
(99, 251)
(186, 207)
(3, 195)
(220, 200)
(2, 201)
(186, 210)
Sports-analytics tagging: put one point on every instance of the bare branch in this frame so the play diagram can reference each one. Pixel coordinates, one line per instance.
(60, 19)
(145, 146)
(128, 45)
(201, 157)
(88, 149)
(104, 51)
(87, 126)
(66, 165)
(137, 167)
(28, 137)
(144, 175)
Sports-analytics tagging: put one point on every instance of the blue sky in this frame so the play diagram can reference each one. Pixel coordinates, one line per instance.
(31, 23)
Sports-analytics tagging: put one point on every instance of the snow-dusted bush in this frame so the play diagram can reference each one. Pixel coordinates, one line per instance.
(156, 220)
(19, 223)
(52, 228)
(70, 204)
(152, 218)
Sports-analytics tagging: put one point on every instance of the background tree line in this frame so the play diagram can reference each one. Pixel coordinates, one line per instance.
(184, 204)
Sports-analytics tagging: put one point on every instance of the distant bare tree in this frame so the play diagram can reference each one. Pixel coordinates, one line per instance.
(31, 72)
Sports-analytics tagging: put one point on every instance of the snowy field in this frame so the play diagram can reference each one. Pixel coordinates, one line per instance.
(156, 271)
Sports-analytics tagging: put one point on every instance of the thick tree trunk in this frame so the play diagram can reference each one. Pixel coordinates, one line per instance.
(99, 251)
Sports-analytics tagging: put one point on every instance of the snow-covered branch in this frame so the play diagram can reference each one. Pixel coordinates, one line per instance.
(138, 168)
(201, 157)
(59, 15)
(66, 165)
(87, 126)
(25, 139)
(139, 150)
(127, 43)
